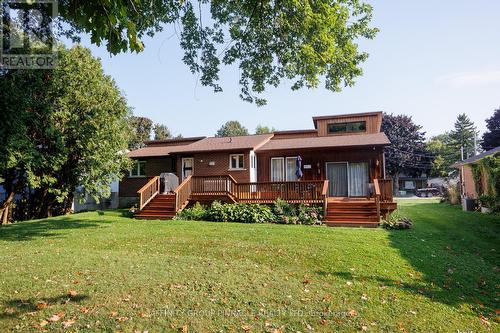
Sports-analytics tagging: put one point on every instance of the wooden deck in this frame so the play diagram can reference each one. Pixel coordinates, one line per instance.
(359, 212)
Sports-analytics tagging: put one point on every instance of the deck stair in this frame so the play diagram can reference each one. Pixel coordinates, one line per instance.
(161, 207)
(351, 213)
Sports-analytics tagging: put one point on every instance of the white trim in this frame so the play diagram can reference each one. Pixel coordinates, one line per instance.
(242, 167)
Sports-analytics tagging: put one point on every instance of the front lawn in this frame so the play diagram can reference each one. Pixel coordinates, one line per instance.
(102, 271)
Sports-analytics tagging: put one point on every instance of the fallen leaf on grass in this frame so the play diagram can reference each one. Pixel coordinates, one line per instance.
(57, 316)
(184, 329)
(72, 293)
(84, 309)
(113, 314)
(485, 321)
(10, 311)
(364, 297)
(143, 315)
(352, 313)
(246, 328)
(68, 323)
(43, 323)
(41, 305)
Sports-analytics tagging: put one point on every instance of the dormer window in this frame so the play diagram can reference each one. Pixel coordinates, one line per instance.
(350, 127)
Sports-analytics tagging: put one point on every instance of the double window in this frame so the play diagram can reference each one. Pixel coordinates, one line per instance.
(138, 169)
(283, 168)
(236, 162)
(352, 127)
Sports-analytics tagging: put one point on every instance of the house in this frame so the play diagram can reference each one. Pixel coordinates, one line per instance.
(469, 187)
(340, 163)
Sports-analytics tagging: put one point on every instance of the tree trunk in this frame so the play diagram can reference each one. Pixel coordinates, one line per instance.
(396, 182)
(6, 208)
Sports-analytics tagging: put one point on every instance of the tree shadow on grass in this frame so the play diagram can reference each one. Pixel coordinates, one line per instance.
(51, 227)
(456, 252)
(22, 306)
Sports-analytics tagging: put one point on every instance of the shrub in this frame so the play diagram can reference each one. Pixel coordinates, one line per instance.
(309, 214)
(397, 221)
(195, 213)
(240, 213)
(488, 201)
(451, 194)
(285, 212)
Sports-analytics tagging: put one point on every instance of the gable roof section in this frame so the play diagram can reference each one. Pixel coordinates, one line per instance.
(377, 139)
(477, 157)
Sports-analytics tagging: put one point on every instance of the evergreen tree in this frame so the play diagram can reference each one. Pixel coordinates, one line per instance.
(491, 138)
(463, 135)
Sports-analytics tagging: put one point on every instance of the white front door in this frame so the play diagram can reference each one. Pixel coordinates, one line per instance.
(187, 166)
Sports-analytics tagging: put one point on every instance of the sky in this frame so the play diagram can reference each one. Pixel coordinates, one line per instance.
(431, 60)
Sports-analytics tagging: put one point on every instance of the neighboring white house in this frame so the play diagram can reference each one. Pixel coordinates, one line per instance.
(91, 204)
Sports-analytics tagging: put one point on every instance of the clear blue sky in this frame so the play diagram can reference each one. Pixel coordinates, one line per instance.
(431, 60)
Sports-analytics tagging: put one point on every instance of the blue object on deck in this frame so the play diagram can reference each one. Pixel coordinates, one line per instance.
(299, 172)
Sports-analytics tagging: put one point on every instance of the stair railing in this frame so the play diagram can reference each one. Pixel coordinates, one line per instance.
(148, 191)
(183, 192)
(376, 185)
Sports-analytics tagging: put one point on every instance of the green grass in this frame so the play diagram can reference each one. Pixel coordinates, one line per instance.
(160, 276)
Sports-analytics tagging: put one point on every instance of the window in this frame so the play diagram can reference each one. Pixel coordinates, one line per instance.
(236, 162)
(353, 127)
(138, 169)
(277, 169)
(291, 168)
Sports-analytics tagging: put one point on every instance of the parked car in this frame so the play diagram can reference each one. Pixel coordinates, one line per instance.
(428, 192)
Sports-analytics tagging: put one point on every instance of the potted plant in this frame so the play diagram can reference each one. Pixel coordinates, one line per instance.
(487, 203)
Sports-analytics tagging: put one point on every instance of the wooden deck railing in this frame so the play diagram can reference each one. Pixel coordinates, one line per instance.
(148, 191)
(265, 192)
(213, 185)
(385, 190)
(182, 193)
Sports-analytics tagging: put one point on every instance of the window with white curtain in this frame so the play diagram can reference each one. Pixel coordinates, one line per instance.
(358, 179)
(291, 168)
(277, 169)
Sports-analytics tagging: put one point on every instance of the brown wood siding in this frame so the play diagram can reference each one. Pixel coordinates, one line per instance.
(318, 159)
(154, 166)
(221, 167)
(373, 124)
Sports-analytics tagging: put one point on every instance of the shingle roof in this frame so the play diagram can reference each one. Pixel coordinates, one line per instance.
(205, 144)
(377, 139)
(229, 143)
(154, 151)
(477, 157)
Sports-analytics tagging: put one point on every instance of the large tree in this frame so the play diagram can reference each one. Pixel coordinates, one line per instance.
(161, 132)
(61, 129)
(260, 129)
(270, 41)
(463, 137)
(141, 131)
(232, 128)
(440, 147)
(407, 153)
(491, 138)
